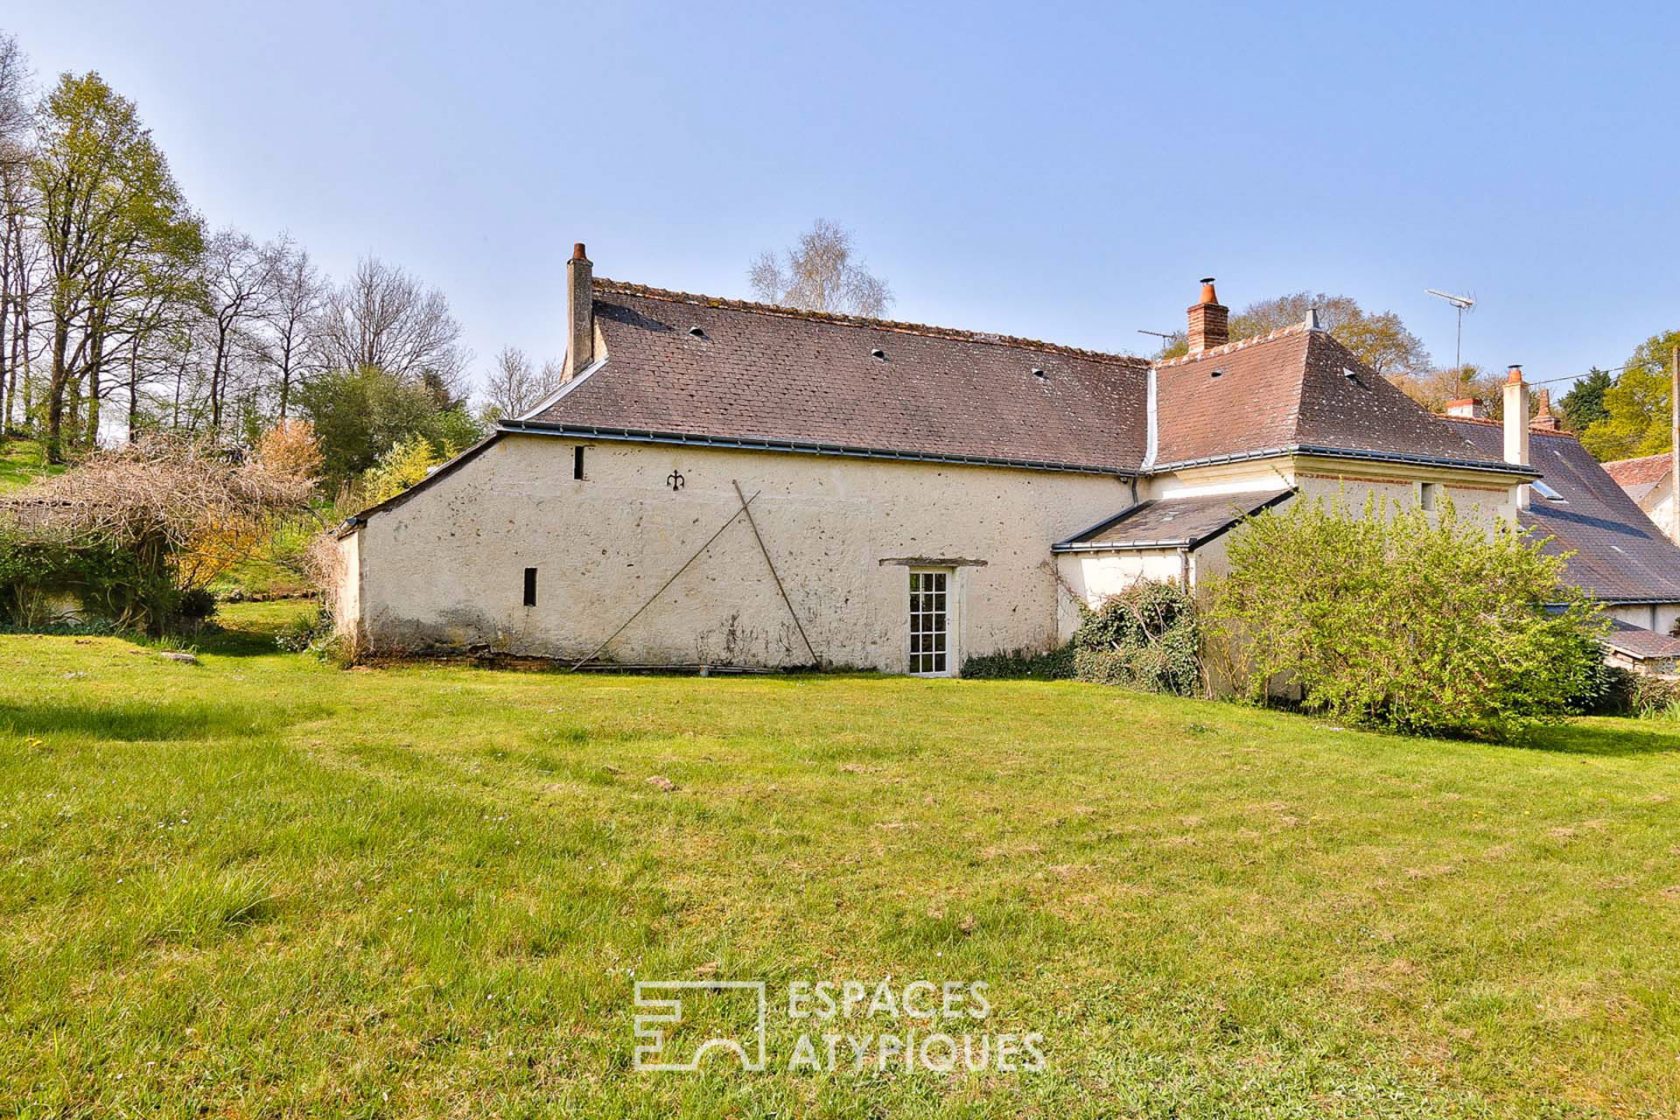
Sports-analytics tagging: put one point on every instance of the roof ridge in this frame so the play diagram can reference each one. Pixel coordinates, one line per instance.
(991, 338)
(1239, 344)
(1637, 458)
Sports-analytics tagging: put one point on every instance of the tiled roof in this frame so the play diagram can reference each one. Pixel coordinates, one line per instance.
(1171, 522)
(1640, 643)
(691, 367)
(1293, 389)
(769, 375)
(1639, 476)
(1619, 555)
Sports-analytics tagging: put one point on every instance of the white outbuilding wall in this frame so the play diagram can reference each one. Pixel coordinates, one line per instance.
(444, 569)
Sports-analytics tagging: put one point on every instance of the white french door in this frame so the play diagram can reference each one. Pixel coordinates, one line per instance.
(932, 636)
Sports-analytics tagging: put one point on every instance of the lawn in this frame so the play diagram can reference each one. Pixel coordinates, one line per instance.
(22, 461)
(264, 886)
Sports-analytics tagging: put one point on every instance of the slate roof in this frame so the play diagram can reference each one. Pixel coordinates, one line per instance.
(693, 368)
(1639, 476)
(1292, 390)
(1171, 522)
(1639, 643)
(764, 375)
(1619, 555)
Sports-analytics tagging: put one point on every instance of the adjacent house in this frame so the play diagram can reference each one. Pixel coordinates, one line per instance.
(722, 483)
(1649, 481)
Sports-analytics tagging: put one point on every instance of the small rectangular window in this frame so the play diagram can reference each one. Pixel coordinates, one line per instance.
(577, 462)
(530, 587)
(1427, 493)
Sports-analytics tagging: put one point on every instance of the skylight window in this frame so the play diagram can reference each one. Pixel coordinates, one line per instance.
(1547, 492)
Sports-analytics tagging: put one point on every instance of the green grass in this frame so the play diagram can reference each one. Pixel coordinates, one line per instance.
(261, 886)
(22, 461)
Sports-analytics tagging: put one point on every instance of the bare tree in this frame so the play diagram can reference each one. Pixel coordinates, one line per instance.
(515, 385)
(238, 287)
(384, 318)
(820, 275)
(16, 132)
(299, 295)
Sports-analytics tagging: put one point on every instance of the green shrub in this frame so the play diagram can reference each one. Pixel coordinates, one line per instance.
(1146, 637)
(1653, 697)
(1022, 665)
(1404, 620)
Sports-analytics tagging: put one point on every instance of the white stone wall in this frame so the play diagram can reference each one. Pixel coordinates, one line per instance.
(444, 569)
(1659, 507)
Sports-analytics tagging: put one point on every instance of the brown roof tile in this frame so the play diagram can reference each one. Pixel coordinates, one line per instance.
(767, 374)
(1612, 549)
(1291, 389)
(1639, 476)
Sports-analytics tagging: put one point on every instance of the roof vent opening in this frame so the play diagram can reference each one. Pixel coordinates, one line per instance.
(1041, 375)
(697, 332)
(878, 355)
(1217, 373)
(1352, 375)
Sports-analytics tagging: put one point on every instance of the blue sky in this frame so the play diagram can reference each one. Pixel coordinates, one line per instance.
(1064, 172)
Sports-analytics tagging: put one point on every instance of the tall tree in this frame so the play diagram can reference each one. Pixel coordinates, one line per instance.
(516, 385)
(1380, 339)
(238, 288)
(299, 296)
(383, 318)
(820, 274)
(113, 225)
(16, 249)
(1583, 405)
(1637, 405)
(1433, 388)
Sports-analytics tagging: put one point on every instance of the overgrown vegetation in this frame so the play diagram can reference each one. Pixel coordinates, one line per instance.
(137, 535)
(1022, 665)
(1396, 618)
(1145, 637)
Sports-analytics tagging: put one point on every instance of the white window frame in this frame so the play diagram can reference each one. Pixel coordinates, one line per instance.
(941, 660)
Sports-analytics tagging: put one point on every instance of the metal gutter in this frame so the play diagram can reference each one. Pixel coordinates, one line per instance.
(688, 439)
(1481, 465)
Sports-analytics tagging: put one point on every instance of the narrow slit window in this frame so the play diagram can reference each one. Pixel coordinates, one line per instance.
(530, 587)
(1428, 492)
(577, 463)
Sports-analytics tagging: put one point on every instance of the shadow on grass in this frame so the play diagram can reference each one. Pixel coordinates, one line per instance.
(138, 723)
(1607, 738)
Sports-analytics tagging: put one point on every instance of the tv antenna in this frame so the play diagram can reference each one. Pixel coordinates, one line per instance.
(1164, 336)
(1461, 304)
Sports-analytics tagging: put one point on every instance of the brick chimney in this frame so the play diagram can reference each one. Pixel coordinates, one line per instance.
(1516, 426)
(1210, 324)
(1543, 420)
(580, 314)
(1468, 408)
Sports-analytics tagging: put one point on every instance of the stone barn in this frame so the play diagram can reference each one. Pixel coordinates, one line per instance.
(729, 484)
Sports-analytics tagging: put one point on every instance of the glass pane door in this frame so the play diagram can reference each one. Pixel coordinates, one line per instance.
(930, 654)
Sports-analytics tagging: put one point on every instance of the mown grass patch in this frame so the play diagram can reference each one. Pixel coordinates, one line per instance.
(264, 886)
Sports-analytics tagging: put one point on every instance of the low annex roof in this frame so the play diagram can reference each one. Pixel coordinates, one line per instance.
(1171, 522)
(1617, 553)
(725, 370)
(1639, 643)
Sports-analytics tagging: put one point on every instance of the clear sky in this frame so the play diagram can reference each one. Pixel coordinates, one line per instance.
(1059, 171)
